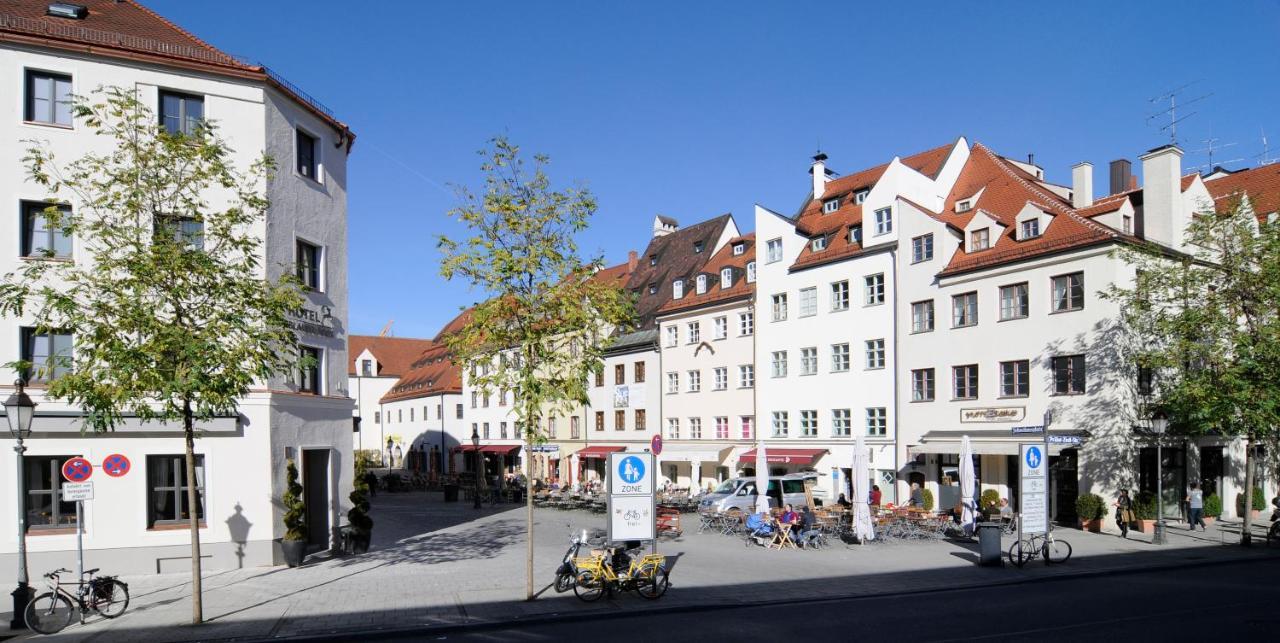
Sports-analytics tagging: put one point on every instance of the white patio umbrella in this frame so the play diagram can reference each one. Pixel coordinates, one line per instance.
(861, 493)
(762, 478)
(969, 506)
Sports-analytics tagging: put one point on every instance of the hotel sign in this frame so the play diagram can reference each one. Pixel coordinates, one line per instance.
(312, 321)
(993, 414)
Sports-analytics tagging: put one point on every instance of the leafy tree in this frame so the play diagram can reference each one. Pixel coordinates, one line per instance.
(1207, 325)
(168, 299)
(539, 333)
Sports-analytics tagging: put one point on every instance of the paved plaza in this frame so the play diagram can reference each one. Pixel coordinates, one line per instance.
(440, 565)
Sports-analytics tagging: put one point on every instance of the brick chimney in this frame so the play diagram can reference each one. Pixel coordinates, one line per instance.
(632, 261)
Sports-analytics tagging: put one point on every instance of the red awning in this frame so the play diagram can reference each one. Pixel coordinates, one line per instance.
(507, 449)
(463, 448)
(784, 456)
(599, 452)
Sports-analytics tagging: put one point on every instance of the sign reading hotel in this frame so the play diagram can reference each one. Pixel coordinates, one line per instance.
(993, 414)
(312, 321)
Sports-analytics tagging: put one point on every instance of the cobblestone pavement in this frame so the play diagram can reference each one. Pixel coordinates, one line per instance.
(437, 564)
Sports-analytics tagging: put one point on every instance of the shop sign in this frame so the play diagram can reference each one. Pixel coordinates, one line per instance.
(312, 321)
(993, 414)
(545, 448)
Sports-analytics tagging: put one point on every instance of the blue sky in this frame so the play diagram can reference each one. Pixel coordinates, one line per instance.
(692, 109)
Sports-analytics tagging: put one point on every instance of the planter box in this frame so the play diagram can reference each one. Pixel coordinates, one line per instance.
(1208, 520)
(294, 551)
(1145, 526)
(1094, 526)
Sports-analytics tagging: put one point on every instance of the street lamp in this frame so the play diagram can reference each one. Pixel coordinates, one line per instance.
(475, 445)
(1159, 424)
(19, 409)
(390, 462)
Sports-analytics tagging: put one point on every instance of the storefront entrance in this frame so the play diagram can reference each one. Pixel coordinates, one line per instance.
(315, 496)
(1174, 474)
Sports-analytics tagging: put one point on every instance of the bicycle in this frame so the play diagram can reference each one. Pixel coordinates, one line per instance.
(50, 612)
(1054, 550)
(648, 576)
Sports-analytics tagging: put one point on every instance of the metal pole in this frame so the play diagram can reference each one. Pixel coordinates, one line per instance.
(79, 540)
(1158, 537)
(21, 595)
(1048, 511)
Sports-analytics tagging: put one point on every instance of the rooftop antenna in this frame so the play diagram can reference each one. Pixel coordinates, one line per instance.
(1210, 146)
(1171, 112)
(1265, 157)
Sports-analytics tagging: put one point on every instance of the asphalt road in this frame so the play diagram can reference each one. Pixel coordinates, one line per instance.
(1199, 603)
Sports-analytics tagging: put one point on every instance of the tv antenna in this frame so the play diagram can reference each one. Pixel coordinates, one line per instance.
(1265, 157)
(1210, 147)
(1171, 112)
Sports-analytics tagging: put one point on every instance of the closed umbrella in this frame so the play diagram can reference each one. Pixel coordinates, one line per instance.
(762, 479)
(861, 494)
(969, 506)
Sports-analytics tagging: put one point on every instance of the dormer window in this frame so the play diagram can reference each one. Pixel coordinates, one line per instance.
(830, 205)
(751, 272)
(653, 260)
(979, 239)
(702, 284)
(677, 289)
(698, 246)
(739, 248)
(1030, 229)
(726, 278)
(653, 289)
(964, 206)
(818, 244)
(855, 234)
(860, 196)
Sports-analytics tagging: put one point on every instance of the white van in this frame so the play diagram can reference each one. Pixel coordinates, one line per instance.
(739, 494)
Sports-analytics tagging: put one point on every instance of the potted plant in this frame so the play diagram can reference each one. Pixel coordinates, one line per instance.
(361, 524)
(927, 495)
(1259, 503)
(1090, 508)
(1212, 507)
(294, 545)
(1144, 508)
(989, 501)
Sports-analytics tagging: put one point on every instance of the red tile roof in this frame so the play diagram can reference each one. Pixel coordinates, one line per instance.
(675, 260)
(456, 324)
(740, 289)
(432, 373)
(1261, 184)
(394, 354)
(1005, 191)
(127, 30)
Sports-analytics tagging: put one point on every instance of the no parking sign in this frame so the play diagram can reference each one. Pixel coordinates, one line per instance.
(116, 465)
(77, 470)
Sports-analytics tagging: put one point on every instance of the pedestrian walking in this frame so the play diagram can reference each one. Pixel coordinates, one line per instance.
(1124, 512)
(1195, 500)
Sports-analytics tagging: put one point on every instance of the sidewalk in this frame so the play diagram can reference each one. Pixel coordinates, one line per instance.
(436, 564)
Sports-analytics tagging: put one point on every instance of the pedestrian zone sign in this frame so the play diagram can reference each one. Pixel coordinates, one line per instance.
(632, 504)
(631, 474)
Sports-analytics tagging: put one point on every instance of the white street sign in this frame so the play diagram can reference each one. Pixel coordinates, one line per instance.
(1065, 439)
(632, 503)
(1033, 468)
(72, 491)
(1035, 514)
(631, 518)
(1033, 485)
(631, 474)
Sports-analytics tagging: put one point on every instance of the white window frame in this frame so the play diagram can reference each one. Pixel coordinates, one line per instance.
(877, 422)
(693, 332)
(830, 205)
(695, 380)
(721, 377)
(884, 221)
(875, 354)
(781, 424)
(673, 382)
(751, 272)
(922, 248)
(926, 322)
(840, 357)
(677, 289)
(841, 423)
(773, 250)
(839, 295)
(746, 324)
(746, 376)
(808, 302)
(778, 363)
(779, 306)
(809, 360)
(726, 278)
(873, 289)
(701, 284)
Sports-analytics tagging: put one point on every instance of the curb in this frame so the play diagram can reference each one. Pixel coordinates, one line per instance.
(609, 613)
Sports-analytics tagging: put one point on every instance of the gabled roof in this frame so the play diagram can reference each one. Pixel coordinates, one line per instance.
(740, 289)
(1006, 190)
(456, 324)
(1261, 184)
(394, 354)
(431, 373)
(124, 29)
(676, 259)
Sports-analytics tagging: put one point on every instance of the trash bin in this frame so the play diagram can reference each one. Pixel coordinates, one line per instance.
(451, 494)
(989, 543)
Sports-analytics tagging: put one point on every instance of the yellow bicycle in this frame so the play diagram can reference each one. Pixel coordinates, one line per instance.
(648, 575)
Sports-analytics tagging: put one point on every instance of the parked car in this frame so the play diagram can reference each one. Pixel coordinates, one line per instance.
(739, 494)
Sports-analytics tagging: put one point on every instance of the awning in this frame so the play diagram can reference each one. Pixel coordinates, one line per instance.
(784, 456)
(988, 441)
(598, 452)
(463, 448)
(507, 449)
(692, 453)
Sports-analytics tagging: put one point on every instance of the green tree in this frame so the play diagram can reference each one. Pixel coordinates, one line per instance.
(540, 331)
(168, 298)
(1207, 325)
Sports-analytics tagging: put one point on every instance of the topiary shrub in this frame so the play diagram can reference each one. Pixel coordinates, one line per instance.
(295, 512)
(989, 501)
(1212, 506)
(358, 516)
(928, 500)
(1144, 506)
(1090, 506)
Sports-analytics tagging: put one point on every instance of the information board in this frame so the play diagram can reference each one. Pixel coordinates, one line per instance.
(1033, 466)
(632, 503)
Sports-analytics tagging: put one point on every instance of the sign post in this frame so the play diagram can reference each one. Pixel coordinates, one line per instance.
(78, 471)
(632, 502)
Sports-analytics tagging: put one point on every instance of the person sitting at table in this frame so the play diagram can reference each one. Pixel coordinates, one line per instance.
(844, 502)
(1006, 510)
(760, 527)
(916, 500)
(875, 495)
(788, 516)
(808, 528)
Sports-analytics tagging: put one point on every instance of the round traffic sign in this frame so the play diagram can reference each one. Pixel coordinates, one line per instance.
(77, 470)
(655, 445)
(631, 469)
(116, 465)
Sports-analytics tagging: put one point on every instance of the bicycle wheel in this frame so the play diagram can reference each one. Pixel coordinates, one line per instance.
(111, 598)
(49, 613)
(1018, 553)
(588, 586)
(1059, 551)
(654, 584)
(1273, 533)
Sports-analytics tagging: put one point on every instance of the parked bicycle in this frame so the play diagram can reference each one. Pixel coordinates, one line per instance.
(51, 611)
(597, 575)
(1053, 550)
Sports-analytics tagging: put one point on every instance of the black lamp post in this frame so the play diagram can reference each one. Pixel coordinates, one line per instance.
(475, 444)
(390, 462)
(19, 409)
(1159, 424)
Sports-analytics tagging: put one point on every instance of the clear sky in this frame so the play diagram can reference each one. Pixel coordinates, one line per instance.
(692, 109)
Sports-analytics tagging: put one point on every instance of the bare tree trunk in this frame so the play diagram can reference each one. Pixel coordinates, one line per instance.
(528, 515)
(188, 425)
(1246, 531)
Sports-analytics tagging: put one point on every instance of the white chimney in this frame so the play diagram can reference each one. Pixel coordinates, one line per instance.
(1164, 219)
(1082, 184)
(819, 171)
